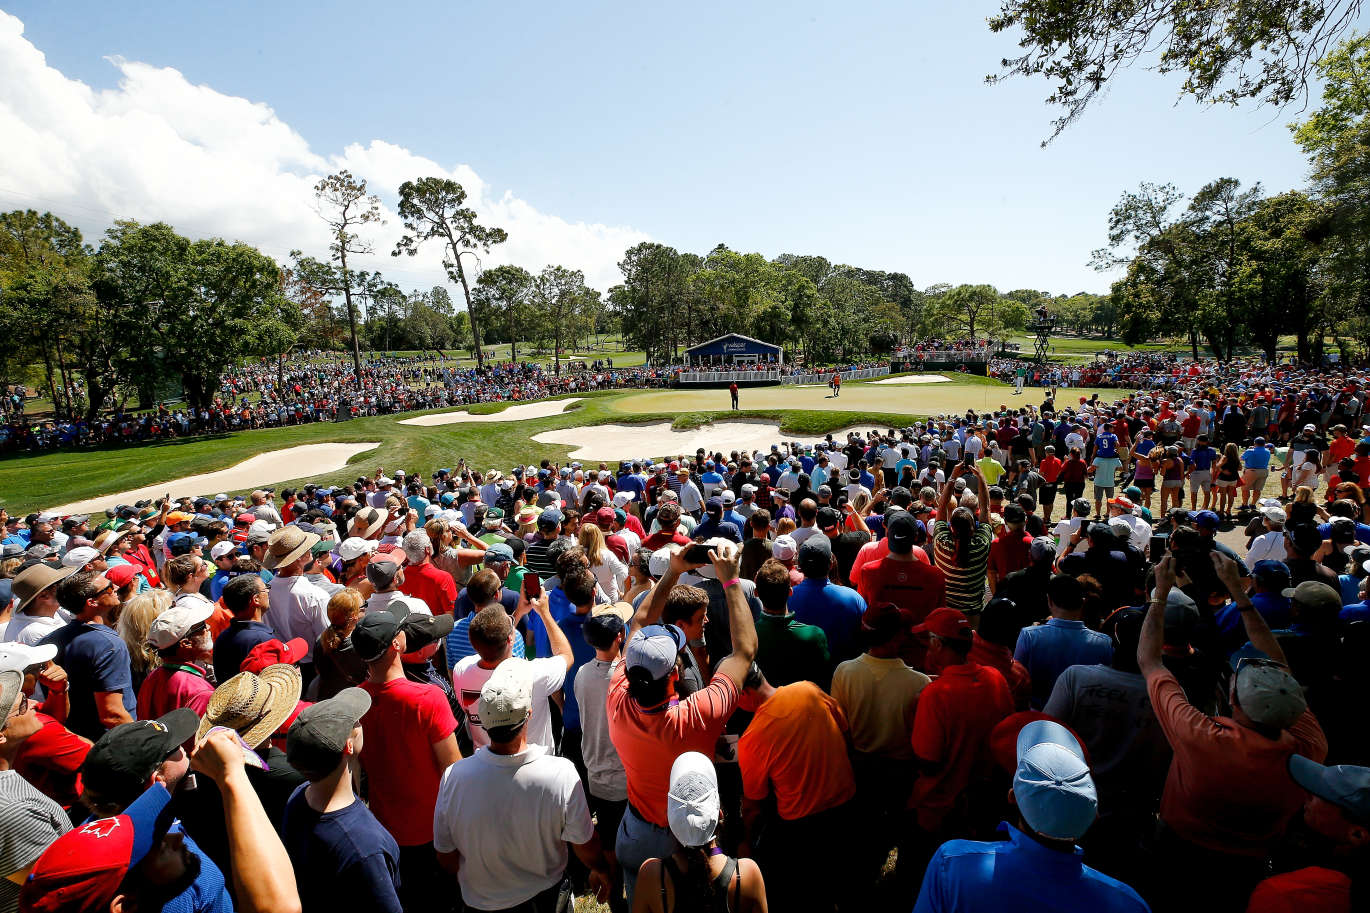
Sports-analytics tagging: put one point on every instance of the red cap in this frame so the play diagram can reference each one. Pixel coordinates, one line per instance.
(948, 623)
(121, 575)
(274, 653)
(886, 619)
(392, 553)
(82, 869)
(674, 465)
(605, 517)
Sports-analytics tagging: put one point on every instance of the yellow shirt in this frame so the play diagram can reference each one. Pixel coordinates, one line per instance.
(990, 468)
(879, 697)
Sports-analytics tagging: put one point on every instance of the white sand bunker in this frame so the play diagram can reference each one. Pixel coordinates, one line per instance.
(254, 472)
(540, 409)
(627, 442)
(915, 379)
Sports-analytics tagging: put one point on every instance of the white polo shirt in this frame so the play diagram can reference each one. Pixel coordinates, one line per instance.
(537, 793)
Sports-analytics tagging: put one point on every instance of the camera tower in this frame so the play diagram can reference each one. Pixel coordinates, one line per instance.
(1043, 325)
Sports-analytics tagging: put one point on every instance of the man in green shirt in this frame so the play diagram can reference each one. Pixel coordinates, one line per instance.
(787, 650)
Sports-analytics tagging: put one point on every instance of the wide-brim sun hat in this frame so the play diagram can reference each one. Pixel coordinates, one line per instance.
(288, 545)
(254, 706)
(373, 517)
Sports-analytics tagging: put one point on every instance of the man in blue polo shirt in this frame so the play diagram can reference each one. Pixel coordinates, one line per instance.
(1048, 650)
(820, 602)
(96, 660)
(1038, 866)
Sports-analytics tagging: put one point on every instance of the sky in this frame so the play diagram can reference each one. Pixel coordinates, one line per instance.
(866, 135)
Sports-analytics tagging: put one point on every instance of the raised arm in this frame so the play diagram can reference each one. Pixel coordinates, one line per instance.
(1257, 631)
(649, 612)
(263, 878)
(556, 637)
(1152, 638)
(741, 625)
(944, 498)
(982, 493)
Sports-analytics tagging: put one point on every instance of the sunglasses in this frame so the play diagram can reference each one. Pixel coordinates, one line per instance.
(109, 585)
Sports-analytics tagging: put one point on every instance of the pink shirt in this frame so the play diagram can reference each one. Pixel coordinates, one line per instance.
(171, 686)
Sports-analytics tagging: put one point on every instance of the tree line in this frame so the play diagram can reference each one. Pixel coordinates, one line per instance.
(1233, 266)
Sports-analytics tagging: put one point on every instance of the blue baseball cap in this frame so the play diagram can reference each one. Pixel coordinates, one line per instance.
(1344, 785)
(1205, 519)
(1052, 786)
(654, 649)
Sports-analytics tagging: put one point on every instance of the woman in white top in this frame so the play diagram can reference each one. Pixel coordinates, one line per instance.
(609, 571)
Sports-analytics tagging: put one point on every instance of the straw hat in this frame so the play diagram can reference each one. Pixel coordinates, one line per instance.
(35, 579)
(105, 541)
(287, 545)
(253, 705)
(372, 517)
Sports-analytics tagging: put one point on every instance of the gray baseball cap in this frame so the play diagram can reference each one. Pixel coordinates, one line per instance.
(314, 745)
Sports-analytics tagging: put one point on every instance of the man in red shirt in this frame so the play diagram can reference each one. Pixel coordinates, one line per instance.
(604, 518)
(956, 713)
(411, 741)
(423, 579)
(1050, 471)
(899, 577)
(183, 642)
(1009, 550)
(668, 517)
(649, 728)
(1229, 795)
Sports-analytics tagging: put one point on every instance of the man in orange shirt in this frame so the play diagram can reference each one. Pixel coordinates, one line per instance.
(648, 728)
(1229, 794)
(797, 775)
(951, 728)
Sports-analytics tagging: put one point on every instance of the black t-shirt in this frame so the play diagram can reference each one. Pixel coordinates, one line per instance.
(343, 860)
(845, 547)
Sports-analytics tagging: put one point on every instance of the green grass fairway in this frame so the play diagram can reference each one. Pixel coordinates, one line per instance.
(922, 399)
(43, 480)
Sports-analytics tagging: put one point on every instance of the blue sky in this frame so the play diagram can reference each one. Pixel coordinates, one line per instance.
(863, 134)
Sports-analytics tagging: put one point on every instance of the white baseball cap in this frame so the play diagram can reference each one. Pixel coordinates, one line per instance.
(221, 549)
(176, 622)
(80, 556)
(354, 547)
(16, 657)
(692, 801)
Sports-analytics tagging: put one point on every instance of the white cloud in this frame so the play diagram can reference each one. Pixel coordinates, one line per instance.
(159, 148)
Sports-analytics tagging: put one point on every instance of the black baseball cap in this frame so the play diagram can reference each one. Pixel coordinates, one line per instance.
(375, 632)
(815, 554)
(900, 530)
(314, 745)
(828, 517)
(422, 630)
(118, 765)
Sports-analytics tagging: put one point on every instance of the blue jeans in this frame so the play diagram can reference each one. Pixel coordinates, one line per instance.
(638, 841)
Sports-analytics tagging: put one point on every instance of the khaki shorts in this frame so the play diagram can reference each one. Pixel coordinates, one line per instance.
(1254, 479)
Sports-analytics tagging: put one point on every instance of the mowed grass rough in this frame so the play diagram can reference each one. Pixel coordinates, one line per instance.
(33, 482)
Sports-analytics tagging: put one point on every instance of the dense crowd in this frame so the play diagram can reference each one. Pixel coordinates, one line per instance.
(726, 681)
(307, 390)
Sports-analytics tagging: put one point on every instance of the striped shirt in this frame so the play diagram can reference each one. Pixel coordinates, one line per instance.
(29, 822)
(965, 585)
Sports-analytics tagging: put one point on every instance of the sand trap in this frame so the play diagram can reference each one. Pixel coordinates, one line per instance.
(914, 379)
(540, 409)
(627, 442)
(254, 472)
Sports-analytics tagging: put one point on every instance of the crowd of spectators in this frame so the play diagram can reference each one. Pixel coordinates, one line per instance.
(730, 680)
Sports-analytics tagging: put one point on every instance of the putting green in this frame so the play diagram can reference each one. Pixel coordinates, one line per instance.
(930, 399)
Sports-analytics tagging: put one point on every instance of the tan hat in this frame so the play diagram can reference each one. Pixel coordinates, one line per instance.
(254, 706)
(105, 541)
(623, 610)
(287, 545)
(36, 579)
(373, 518)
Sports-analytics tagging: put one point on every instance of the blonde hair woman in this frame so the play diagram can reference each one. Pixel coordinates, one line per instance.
(336, 664)
(609, 571)
(134, 622)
